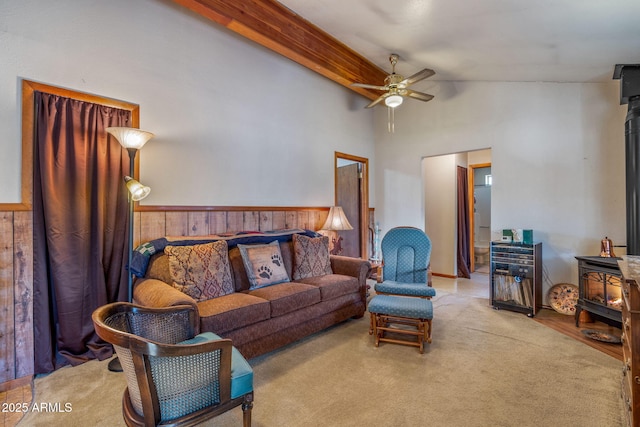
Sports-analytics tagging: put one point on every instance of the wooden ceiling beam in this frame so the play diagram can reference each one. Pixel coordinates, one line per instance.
(276, 27)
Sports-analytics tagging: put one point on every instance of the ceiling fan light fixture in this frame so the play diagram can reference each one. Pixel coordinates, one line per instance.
(393, 101)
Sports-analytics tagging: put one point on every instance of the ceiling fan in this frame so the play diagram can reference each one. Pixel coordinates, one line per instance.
(396, 87)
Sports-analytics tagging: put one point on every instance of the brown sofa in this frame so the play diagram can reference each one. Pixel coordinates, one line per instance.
(263, 319)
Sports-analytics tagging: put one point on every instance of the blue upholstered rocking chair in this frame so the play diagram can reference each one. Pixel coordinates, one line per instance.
(406, 253)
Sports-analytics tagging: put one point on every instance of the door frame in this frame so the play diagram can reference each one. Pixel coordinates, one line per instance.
(28, 111)
(364, 195)
(471, 203)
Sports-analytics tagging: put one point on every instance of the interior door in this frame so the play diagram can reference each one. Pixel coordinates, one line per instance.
(348, 196)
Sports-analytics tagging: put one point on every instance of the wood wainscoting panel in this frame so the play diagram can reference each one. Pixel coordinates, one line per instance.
(149, 226)
(198, 223)
(23, 292)
(251, 220)
(266, 220)
(235, 221)
(7, 347)
(303, 220)
(16, 295)
(154, 222)
(291, 219)
(278, 220)
(177, 224)
(217, 222)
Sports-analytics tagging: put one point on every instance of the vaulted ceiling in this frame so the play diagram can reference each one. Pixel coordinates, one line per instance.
(274, 26)
(487, 40)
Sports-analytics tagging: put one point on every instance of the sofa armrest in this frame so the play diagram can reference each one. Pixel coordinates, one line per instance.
(156, 293)
(356, 267)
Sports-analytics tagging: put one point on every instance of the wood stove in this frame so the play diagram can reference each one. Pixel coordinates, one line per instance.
(600, 287)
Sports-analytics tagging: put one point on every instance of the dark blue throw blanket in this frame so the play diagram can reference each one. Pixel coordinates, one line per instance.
(142, 254)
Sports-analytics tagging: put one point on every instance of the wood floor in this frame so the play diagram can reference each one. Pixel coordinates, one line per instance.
(559, 322)
(566, 325)
(13, 402)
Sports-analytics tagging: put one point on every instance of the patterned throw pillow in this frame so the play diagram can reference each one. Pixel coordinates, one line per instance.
(310, 256)
(264, 264)
(201, 271)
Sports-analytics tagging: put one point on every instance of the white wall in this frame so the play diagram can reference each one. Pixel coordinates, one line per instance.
(235, 124)
(557, 154)
(439, 176)
(479, 157)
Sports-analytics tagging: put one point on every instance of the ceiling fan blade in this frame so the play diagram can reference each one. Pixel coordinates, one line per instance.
(366, 86)
(377, 100)
(420, 75)
(417, 95)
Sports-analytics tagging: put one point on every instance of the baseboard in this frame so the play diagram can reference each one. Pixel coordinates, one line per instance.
(448, 276)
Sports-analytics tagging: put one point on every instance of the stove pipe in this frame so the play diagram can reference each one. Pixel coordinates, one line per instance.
(629, 75)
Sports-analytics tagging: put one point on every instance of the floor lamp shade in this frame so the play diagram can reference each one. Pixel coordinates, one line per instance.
(137, 190)
(130, 137)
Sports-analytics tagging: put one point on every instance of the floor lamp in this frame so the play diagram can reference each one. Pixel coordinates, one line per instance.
(336, 221)
(132, 140)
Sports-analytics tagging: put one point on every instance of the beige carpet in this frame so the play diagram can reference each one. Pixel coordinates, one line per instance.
(484, 368)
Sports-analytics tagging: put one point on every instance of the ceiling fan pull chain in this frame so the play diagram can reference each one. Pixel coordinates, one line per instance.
(391, 114)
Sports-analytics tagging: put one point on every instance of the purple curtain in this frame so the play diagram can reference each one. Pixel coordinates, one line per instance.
(464, 256)
(80, 217)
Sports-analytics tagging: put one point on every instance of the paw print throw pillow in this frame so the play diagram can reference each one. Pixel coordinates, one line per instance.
(264, 264)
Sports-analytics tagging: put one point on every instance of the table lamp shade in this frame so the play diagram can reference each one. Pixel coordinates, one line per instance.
(336, 220)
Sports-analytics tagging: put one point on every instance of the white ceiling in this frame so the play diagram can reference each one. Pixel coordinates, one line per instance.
(486, 40)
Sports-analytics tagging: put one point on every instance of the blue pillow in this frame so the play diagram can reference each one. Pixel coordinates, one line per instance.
(241, 372)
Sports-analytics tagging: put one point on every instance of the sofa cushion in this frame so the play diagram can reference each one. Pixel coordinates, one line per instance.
(232, 311)
(159, 268)
(288, 297)
(264, 264)
(310, 256)
(333, 285)
(201, 271)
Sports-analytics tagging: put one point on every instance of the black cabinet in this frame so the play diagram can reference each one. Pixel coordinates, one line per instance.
(516, 276)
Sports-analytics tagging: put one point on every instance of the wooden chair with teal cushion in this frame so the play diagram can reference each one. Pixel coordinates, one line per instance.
(406, 253)
(174, 376)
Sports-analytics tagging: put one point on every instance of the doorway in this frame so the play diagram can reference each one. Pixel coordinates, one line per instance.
(439, 180)
(351, 192)
(94, 166)
(480, 181)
